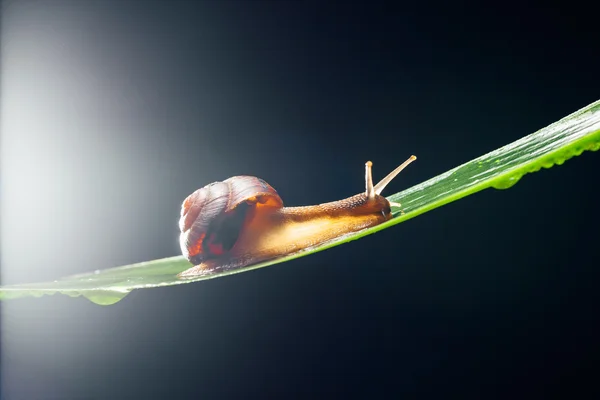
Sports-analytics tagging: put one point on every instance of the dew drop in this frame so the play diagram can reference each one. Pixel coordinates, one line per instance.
(104, 297)
(594, 146)
(508, 182)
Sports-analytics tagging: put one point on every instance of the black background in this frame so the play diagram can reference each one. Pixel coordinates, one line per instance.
(494, 295)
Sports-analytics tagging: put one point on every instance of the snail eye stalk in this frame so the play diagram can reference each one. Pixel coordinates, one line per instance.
(384, 182)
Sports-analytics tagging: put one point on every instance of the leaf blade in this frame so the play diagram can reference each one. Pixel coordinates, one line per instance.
(501, 169)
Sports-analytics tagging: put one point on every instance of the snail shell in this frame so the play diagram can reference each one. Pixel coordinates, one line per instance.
(212, 216)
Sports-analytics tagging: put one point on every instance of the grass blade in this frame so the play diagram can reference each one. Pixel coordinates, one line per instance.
(499, 169)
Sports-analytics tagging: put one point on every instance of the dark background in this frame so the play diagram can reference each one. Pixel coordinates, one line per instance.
(114, 111)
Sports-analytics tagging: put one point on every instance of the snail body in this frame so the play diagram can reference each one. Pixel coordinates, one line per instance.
(242, 221)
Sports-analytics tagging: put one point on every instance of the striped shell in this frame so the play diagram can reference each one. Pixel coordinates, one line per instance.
(212, 217)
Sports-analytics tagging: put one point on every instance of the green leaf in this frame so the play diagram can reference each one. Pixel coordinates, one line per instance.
(499, 169)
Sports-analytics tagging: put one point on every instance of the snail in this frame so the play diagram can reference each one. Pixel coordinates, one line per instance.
(242, 221)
